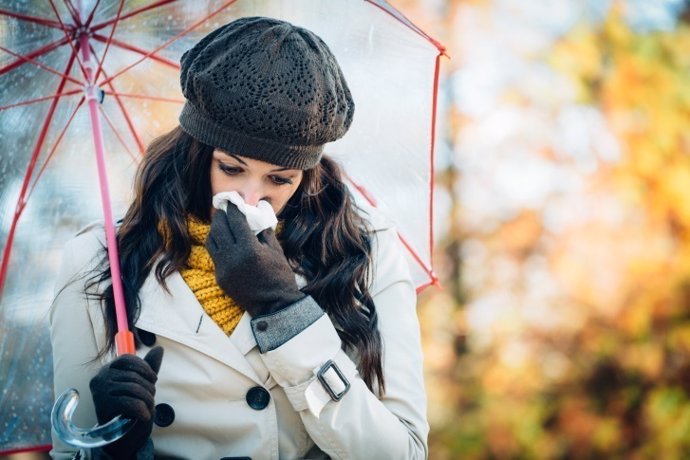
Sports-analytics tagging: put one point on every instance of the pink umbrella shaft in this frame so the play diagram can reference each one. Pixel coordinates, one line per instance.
(124, 340)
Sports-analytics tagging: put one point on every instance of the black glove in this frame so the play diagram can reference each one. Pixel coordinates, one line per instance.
(126, 386)
(251, 269)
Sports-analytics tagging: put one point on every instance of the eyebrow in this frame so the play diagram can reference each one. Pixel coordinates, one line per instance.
(235, 157)
(244, 163)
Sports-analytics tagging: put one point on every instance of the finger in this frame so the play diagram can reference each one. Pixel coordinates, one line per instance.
(154, 358)
(132, 363)
(237, 223)
(268, 237)
(125, 378)
(133, 408)
(131, 391)
(113, 393)
(211, 244)
(220, 231)
(116, 381)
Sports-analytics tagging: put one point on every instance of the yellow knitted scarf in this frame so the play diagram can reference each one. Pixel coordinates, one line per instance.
(201, 279)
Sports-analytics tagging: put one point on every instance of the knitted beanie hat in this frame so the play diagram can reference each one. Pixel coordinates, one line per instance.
(265, 89)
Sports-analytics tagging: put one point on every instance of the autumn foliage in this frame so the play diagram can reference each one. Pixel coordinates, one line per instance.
(563, 330)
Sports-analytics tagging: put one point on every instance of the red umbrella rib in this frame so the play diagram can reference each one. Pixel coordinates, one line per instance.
(29, 57)
(93, 12)
(125, 113)
(143, 52)
(117, 134)
(130, 14)
(72, 11)
(69, 37)
(147, 97)
(42, 66)
(108, 41)
(185, 31)
(21, 201)
(41, 99)
(35, 19)
(54, 148)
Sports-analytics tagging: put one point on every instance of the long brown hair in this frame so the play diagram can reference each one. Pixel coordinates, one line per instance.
(323, 236)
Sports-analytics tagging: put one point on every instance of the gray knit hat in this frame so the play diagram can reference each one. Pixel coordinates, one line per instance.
(265, 89)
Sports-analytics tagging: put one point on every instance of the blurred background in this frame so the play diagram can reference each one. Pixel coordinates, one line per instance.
(562, 201)
(563, 204)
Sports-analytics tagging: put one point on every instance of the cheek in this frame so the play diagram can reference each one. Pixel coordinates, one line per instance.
(214, 181)
(220, 182)
(283, 197)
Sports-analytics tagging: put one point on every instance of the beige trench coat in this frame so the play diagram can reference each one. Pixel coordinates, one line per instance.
(205, 375)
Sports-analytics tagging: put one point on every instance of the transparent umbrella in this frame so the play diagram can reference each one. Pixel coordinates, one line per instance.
(67, 66)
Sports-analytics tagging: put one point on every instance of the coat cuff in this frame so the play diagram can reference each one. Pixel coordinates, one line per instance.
(272, 331)
(315, 393)
(311, 379)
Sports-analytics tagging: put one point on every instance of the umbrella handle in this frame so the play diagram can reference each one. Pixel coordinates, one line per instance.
(100, 435)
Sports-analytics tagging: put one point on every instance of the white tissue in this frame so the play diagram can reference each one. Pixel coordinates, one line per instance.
(259, 217)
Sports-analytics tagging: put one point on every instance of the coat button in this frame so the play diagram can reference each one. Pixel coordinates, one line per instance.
(258, 398)
(146, 337)
(262, 325)
(164, 415)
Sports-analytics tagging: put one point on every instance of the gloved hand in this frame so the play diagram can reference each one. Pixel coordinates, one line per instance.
(126, 386)
(251, 269)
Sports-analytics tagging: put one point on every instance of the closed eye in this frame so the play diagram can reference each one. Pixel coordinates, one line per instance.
(229, 170)
(280, 180)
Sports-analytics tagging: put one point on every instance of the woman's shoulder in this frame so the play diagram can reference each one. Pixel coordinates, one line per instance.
(95, 229)
(388, 260)
(384, 234)
(85, 250)
(376, 220)
(90, 238)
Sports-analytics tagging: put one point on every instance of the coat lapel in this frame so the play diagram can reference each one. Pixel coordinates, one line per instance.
(243, 337)
(177, 315)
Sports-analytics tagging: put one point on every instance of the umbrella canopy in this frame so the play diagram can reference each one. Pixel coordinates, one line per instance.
(48, 171)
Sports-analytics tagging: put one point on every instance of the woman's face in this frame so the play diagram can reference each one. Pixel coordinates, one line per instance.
(254, 180)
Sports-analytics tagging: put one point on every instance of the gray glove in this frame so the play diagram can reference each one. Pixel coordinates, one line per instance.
(251, 269)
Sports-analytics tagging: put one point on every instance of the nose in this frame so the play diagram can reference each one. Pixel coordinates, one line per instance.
(251, 193)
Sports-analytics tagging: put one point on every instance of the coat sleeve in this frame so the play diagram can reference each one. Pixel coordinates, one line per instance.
(73, 335)
(360, 424)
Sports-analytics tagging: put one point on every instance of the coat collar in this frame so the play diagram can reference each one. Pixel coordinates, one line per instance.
(177, 315)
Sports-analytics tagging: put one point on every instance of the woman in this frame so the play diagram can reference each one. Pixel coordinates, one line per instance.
(303, 344)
